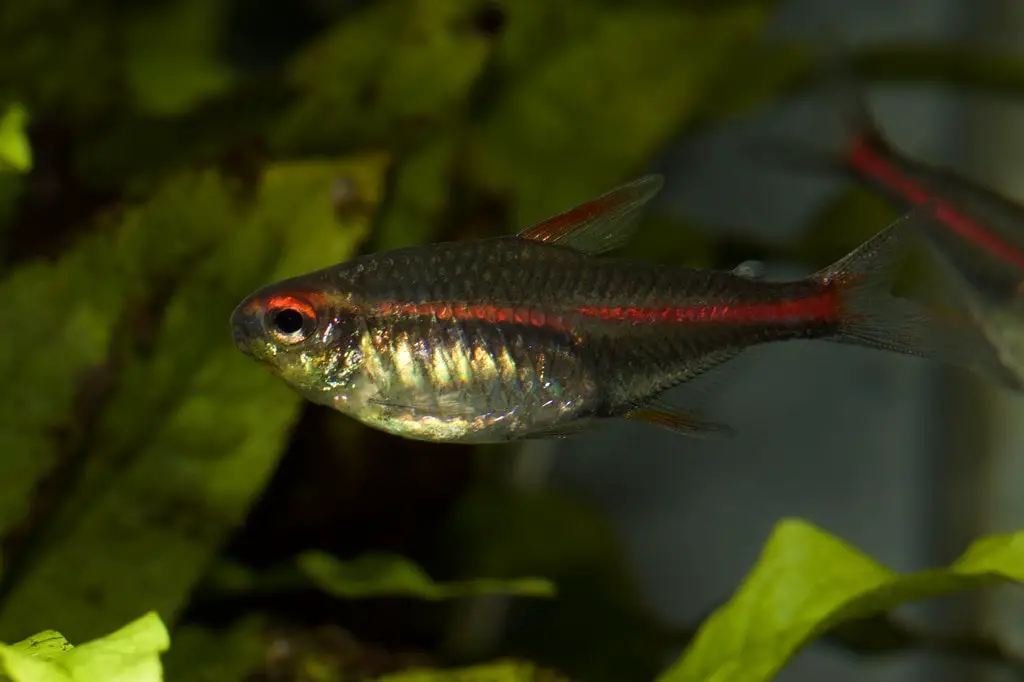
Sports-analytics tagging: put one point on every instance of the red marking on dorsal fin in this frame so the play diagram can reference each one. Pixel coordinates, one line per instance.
(600, 224)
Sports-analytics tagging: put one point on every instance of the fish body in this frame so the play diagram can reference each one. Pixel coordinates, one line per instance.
(534, 335)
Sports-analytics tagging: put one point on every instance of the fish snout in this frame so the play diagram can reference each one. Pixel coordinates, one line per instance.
(245, 329)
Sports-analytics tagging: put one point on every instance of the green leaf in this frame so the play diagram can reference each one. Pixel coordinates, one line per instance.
(501, 671)
(131, 654)
(584, 118)
(389, 70)
(387, 575)
(15, 151)
(47, 645)
(188, 429)
(171, 58)
(806, 582)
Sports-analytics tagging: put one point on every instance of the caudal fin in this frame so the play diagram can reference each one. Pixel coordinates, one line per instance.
(871, 316)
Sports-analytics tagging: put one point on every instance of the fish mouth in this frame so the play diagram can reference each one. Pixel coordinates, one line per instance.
(240, 338)
(246, 332)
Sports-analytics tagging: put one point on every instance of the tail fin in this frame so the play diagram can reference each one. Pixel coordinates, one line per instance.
(858, 135)
(871, 316)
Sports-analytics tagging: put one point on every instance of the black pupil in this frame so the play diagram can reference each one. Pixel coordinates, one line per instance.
(288, 321)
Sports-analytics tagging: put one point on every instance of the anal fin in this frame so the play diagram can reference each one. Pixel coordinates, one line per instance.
(681, 421)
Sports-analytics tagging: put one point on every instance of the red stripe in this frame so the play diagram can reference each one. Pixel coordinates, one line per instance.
(866, 160)
(823, 307)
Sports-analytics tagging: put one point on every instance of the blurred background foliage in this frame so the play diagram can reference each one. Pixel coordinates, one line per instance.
(179, 154)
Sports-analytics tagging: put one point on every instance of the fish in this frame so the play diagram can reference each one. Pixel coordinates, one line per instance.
(978, 234)
(541, 334)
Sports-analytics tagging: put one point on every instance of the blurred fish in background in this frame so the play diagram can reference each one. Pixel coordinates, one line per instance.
(978, 234)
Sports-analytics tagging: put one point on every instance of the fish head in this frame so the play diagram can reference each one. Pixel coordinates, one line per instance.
(306, 335)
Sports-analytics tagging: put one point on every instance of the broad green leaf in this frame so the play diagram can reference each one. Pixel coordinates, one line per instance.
(382, 74)
(807, 582)
(131, 654)
(15, 151)
(584, 118)
(500, 671)
(387, 575)
(189, 429)
(47, 645)
(171, 58)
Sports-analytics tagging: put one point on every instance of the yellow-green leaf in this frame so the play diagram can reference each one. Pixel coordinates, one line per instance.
(188, 429)
(47, 644)
(806, 582)
(388, 575)
(131, 654)
(15, 150)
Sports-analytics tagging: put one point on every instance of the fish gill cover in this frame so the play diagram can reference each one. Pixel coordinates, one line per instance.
(155, 167)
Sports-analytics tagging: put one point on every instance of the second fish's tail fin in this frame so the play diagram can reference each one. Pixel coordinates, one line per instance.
(869, 315)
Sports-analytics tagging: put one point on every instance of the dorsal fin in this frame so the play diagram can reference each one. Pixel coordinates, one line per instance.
(602, 224)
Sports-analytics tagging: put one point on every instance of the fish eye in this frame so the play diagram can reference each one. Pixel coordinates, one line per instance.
(290, 321)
